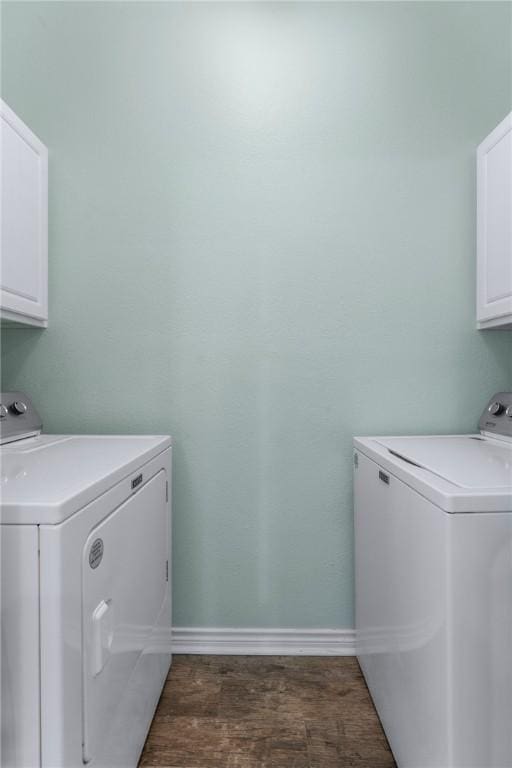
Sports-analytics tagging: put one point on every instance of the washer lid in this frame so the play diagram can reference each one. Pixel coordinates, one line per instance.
(46, 479)
(458, 473)
(466, 461)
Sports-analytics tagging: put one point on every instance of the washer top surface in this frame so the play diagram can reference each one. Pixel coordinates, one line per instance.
(47, 478)
(466, 461)
(459, 473)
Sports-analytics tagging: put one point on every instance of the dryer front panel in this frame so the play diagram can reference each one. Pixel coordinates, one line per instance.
(124, 587)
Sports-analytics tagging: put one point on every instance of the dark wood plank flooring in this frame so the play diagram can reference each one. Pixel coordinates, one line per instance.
(266, 712)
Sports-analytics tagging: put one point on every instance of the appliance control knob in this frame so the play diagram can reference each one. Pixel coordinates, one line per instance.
(18, 408)
(508, 412)
(495, 408)
(3, 411)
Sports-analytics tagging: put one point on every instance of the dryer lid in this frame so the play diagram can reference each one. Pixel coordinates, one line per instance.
(467, 461)
(45, 479)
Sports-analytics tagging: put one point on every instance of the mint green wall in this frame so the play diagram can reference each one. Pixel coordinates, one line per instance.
(261, 241)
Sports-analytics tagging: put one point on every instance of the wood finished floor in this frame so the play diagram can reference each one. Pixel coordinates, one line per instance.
(266, 712)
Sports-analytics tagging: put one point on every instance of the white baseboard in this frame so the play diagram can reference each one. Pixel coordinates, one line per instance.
(270, 642)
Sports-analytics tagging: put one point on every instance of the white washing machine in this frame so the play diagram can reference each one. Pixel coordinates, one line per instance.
(433, 541)
(85, 592)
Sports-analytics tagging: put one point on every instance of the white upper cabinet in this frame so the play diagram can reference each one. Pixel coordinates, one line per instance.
(24, 223)
(494, 228)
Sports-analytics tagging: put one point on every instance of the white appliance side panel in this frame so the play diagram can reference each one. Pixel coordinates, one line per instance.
(19, 671)
(124, 583)
(481, 611)
(61, 638)
(401, 633)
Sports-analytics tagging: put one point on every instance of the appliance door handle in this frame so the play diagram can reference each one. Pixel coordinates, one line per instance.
(383, 477)
(101, 636)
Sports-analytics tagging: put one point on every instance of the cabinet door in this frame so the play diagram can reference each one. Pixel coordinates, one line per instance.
(24, 222)
(494, 223)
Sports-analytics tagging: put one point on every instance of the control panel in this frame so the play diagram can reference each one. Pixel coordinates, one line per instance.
(18, 417)
(497, 416)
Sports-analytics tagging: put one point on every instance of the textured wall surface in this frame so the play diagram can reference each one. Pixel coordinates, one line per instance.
(261, 241)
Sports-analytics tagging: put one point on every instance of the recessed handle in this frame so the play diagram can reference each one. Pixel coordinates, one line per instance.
(383, 477)
(101, 636)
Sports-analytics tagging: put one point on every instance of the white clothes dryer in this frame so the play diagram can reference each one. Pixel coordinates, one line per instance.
(85, 592)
